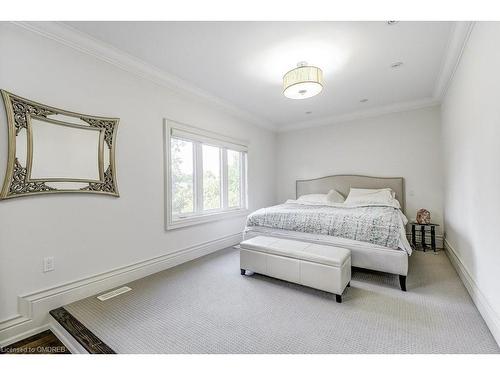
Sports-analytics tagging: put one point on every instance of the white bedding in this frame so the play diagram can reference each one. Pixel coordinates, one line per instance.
(403, 243)
(325, 239)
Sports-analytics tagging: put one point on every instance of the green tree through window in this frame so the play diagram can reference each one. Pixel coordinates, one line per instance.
(233, 178)
(211, 178)
(182, 176)
(205, 179)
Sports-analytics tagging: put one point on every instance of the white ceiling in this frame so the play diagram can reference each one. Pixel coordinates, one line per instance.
(243, 62)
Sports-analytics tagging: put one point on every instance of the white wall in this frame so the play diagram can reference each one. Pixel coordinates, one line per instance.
(471, 134)
(403, 144)
(89, 234)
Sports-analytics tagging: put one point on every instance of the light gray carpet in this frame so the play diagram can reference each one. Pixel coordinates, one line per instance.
(205, 306)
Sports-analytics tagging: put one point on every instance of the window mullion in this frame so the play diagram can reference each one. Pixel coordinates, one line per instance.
(199, 177)
(224, 180)
(243, 180)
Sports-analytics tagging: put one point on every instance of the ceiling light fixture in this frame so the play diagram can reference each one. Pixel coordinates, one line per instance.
(396, 64)
(303, 82)
(363, 100)
(392, 22)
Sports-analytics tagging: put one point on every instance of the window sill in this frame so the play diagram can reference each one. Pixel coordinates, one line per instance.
(206, 218)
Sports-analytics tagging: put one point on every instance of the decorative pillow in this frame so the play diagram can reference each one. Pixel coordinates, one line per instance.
(334, 196)
(357, 191)
(313, 198)
(370, 196)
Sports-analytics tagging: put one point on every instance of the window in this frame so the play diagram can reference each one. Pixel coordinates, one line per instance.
(182, 176)
(233, 178)
(211, 177)
(206, 176)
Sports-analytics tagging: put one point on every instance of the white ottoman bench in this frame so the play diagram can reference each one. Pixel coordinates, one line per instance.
(322, 267)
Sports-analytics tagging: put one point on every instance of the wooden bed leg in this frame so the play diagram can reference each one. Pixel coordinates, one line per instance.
(338, 298)
(402, 282)
(242, 271)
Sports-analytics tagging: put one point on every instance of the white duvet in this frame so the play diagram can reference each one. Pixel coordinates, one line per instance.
(376, 224)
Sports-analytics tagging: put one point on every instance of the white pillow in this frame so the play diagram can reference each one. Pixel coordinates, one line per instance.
(313, 198)
(334, 196)
(370, 191)
(370, 196)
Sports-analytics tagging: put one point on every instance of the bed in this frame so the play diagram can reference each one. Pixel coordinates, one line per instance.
(385, 249)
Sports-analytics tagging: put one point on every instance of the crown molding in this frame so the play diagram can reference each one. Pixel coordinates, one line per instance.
(456, 45)
(85, 43)
(359, 115)
(459, 37)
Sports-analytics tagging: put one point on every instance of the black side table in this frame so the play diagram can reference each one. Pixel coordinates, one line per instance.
(422, 234)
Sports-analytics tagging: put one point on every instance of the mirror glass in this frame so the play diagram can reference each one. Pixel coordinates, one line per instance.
(64, 152)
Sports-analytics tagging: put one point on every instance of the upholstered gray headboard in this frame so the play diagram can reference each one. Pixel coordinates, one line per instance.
(342, 183)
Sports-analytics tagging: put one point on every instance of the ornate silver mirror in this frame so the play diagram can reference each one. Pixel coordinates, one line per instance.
(52, 150)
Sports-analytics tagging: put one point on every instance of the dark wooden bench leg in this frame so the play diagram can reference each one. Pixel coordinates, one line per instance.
(242, 271)
(402, 282)
(338, 298)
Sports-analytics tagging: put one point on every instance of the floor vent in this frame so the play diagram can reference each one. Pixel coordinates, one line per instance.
(113, 293)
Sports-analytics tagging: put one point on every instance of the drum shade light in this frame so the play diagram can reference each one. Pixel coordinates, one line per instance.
(303, 82)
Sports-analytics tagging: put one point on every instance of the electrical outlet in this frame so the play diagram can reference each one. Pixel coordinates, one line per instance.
(48, 264)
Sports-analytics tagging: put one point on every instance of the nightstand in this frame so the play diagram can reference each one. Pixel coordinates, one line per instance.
(424, 228)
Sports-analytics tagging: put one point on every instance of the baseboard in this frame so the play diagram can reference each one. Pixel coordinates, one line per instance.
(489, 315)
(34, 307)
(24, 335)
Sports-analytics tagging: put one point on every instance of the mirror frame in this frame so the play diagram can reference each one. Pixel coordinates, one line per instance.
(18, 181)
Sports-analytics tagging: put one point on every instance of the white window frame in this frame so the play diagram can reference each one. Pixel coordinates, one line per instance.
(200, 137)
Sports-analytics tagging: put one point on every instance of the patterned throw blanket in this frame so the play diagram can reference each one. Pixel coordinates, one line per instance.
(379, 225)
